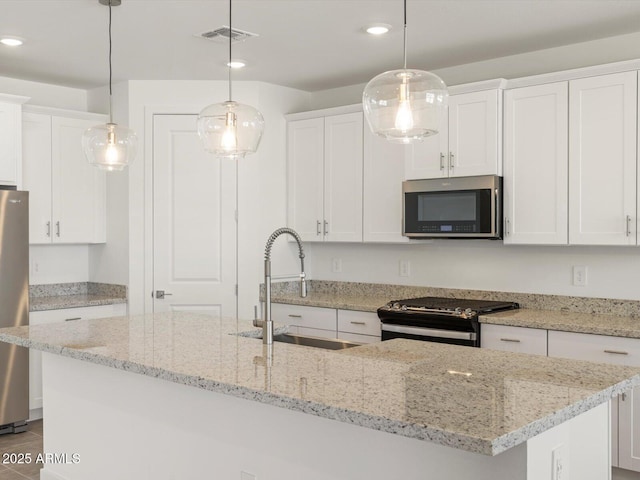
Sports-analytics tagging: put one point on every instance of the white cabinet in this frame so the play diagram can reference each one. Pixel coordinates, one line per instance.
(536, 165)
(67, 200)
(383, 176)
(514, 339)
(360, 327)
(325, 161)
(45, 317)
(626, 410)
(352, 325)
(10, 140)
(602, 160)
(469, 143)
(315, 321)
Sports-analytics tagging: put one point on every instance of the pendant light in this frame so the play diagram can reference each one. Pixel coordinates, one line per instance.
(110, 147)
(230, 129)
(405, 105)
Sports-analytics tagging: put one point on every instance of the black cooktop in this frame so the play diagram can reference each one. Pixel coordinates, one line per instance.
(451, 304)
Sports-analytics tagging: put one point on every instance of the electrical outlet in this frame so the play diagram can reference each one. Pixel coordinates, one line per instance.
(579, 275)
(336, 265)
(405, 268)
(559, 463)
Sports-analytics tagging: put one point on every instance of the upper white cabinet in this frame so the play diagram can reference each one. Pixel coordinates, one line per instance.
(325, 161)
(10, 140)
(469, 143)
(602, 160)
(536, 164)
(67, 199)
(383, 176)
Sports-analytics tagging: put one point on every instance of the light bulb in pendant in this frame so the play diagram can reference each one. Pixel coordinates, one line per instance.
(229, 140)
(404, 116)
(111, 153)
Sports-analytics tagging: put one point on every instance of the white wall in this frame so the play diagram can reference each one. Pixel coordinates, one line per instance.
(262, 191)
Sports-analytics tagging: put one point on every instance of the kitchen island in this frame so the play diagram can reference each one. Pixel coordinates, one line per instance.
(182, 395)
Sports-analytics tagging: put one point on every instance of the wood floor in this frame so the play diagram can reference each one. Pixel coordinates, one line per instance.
(29, 442)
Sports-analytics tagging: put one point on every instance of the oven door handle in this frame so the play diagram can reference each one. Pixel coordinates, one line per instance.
(429, 332)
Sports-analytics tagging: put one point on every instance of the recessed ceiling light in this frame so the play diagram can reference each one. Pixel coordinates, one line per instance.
(11, 41)
(378, 28)
(236, 63)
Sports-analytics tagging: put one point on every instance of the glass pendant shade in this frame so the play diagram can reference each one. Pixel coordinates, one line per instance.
(109, 147)
(230, 129)
(405, 105)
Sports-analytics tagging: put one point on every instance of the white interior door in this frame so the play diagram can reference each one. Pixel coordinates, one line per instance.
(194, 221)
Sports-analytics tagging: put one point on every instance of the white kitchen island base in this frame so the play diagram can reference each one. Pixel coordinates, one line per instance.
(127, 426)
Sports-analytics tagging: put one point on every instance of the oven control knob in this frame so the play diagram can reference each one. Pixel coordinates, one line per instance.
(468, 311)
(458, 310)
(396, 305)
(403, 307)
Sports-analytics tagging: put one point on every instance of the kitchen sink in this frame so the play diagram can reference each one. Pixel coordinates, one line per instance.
(317, 342)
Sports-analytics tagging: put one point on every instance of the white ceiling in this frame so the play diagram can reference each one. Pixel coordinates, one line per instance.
(307, 44)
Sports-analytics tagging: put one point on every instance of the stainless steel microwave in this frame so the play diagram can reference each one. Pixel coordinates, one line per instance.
(460, 207)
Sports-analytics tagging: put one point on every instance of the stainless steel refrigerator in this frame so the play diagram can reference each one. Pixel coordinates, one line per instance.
(14, 308)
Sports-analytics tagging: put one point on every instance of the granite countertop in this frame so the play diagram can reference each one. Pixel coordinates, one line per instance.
(472, 399)
(72, 295)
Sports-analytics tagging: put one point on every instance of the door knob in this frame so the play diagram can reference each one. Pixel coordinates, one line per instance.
(160, 294)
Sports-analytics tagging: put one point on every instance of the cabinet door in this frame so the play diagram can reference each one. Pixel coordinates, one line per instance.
(429, 158)
(602, 160)
(343, 177)
(474, 133)
(10, 144)
(629, 430)
(536, 165)
(36, 171)
(79, 189)
(305, 157)
(383, 175)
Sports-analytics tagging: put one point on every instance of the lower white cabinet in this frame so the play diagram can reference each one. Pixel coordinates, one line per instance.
(351, 325)
(625, 412)
(45, 317)
(514, 339)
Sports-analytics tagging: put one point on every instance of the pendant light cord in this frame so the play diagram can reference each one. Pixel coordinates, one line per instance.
(110, 70)
(230, 35)
(405, 34)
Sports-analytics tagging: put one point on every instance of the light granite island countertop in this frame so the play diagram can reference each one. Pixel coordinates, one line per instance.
(146, 388)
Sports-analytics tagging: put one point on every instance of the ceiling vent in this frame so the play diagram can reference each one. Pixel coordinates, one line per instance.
(222, 34)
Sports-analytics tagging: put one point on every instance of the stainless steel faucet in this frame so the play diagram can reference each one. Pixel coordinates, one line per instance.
(267, 323)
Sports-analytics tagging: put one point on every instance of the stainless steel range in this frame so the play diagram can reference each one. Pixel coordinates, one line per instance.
(435, 319)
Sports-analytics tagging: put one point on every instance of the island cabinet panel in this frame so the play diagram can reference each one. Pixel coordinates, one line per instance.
(626, 410)
(514, 339)
(536, 164)
(45, 317)
(315, 321)
(67, 196)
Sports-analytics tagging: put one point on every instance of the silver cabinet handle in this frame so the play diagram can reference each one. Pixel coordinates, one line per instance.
(160, 294)
(451, 160)
(507, 229)
(623, 397)
(57, 229)
(326, 227)
(72, 319)
(357, 323)
(295, 316)
(49, 229)
(318, 224)
(512, 340)
(628, 225)
(616, 352)
(442, 161)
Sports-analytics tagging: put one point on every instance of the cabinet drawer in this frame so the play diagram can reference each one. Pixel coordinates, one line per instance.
(595, 348)
(514, 339)
(302, 316)
(364, 323)
(312, 332)
(80, 313)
